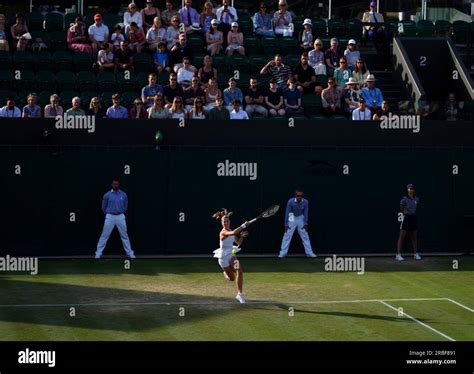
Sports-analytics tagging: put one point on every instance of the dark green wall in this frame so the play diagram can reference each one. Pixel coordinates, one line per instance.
(348, 213)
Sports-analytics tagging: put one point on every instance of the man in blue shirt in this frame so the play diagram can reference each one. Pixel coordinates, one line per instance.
(296, 217)
(149, 92)
(114, 206)
(116, 111)
(372, 95)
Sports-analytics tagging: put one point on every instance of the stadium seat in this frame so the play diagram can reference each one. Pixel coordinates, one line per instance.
(461, 32)
(107, 99)
(66, 98)
(22, 60)
(442, 27)
(246, 26)
(264, 80)
(58, 41)
(128, 97)
(54, 22)
(336, 28)
(122, 83)
(317, 117)
(322, 80)
(63, 60)
(82, 61)
(252, 45)
(239, 63)
(270, 46)
(27, 81)
(408, 28)
(5, 60)
(106, 81)
(319, 28)
(43, 35)
(34, 21)
(7, 80)
(354, 29)
(142, 62)
(312, 104)
(218, 61)
(289, 46)
(425, 28)
(111, 20)
(86, 98)
(66, 80)
(199, 59)
(257, 62)
(44, 96)
(196, 42)
(86, 81)
(162, 79)
(244, 81)
(43, 61)
(298, 24)
(292, 60)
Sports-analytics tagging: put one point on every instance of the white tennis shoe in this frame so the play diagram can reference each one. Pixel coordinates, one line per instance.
(241, 298)
(399, 258)
(417, 256)
(312, 255)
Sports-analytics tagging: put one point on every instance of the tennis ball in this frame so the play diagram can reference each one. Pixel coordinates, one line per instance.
(234, 251)
(158, 136)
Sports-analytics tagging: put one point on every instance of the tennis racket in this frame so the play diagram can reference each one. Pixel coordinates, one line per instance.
(266, 213)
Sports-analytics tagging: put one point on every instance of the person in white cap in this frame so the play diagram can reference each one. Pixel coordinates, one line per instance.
(235, 40)
(351, 54)
(351, 95)
(282, 20)
(372, 95)
(306, 36)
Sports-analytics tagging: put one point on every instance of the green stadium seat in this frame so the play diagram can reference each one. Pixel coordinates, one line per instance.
(312, 104)
(257, 62)
(322, 80)
(292, 60)
(223, 80)
(107, 99)
(319, 28)
(128, 97)
(143, 63)
(22, 60)
(35, 21)
(252, 45)
(122, 83)
(354, 29)
(461, 32)
(218, 61)
(238, 62)
(409, 28)
(298, 24)
(66, 98)
(244, 81)
(86, 81)
(44, 96)
(336, 28)
(264, 80)
(63, 60)
(82, 61)
(54, 22)
(66, 80)
(442, 27)
(196, 42)
(6, 62)
(199, 59)
(106, 81)
(27, 81)
(270, 46)
(338, 117)
(280, 118)
(425, 28)
(289, 46)
(162, 78)
(317, 117)
(58, 41)
(43, 61)
(86, 98)
(246, 26)
(111, 20)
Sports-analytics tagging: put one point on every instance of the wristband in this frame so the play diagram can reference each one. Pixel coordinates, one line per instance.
(243, 226)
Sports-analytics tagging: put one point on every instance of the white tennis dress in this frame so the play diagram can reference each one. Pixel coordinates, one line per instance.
(224, 252)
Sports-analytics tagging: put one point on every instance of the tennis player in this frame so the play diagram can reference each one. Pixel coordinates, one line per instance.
(408, 206)
(227, 260)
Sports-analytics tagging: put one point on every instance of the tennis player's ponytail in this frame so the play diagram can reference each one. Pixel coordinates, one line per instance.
(222, 213)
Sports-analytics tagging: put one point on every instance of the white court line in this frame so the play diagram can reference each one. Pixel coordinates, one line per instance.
(214, 303)
(462, 306)
(421, 323)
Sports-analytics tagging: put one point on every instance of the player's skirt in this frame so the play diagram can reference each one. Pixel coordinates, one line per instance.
(410, 223)
(224, 257)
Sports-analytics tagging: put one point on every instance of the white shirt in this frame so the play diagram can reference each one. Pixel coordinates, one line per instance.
(100, 34)
(7, 113)
(152, 35)
(358, 115)
(226, 18)
(184, 75)
(137, 18)
(241, 114)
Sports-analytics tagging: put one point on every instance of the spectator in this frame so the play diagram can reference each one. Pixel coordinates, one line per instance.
(351, 96)
(123, 58)
(172, 33)
(235, 40)
(351, 54)
(53, 109)
(4, 36)
(371, 17)
(282, 20)
(207, 16)
(189, 17)
(117, 37)
(372, 95)
(306, 36)
(137, 38)
(292, 99)
(155, 35)
(168, 14)
(274, 100)
(150, 91)
(219, 112)
(332, 56)
(214, 38)
(197, 110)
(10, 110)
(19, 31)
(149, 15)
(98, 34)
(383, 111)
(207, 72)
(226, 15)
(377, 34)
(177, 110)
(158, 110)
(316, 58)
(231, 93)
(77, 39)
(185, 74)
(279, 71)
(342, 73)
(212, 92)
(305, 76)
(162, 59)
(452, 108)
(76, 109)
(331, 99)
(361, 72)
(181, 50)
(95, 108)
(237, 112)
(262, 22)
(138, 111)
(172, 90)
(116, 111)
(193, 92)
(255, 99)
(105, 58)
(31, 110)
(362, 113)
(132, 15)
(427, 110)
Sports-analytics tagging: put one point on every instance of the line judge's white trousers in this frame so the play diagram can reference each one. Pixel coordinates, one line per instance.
(297, 223)
(110, 222)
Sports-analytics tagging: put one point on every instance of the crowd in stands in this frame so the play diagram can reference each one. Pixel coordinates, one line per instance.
(192, 91)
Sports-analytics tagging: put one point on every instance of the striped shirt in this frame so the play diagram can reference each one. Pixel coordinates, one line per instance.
(281, 74)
